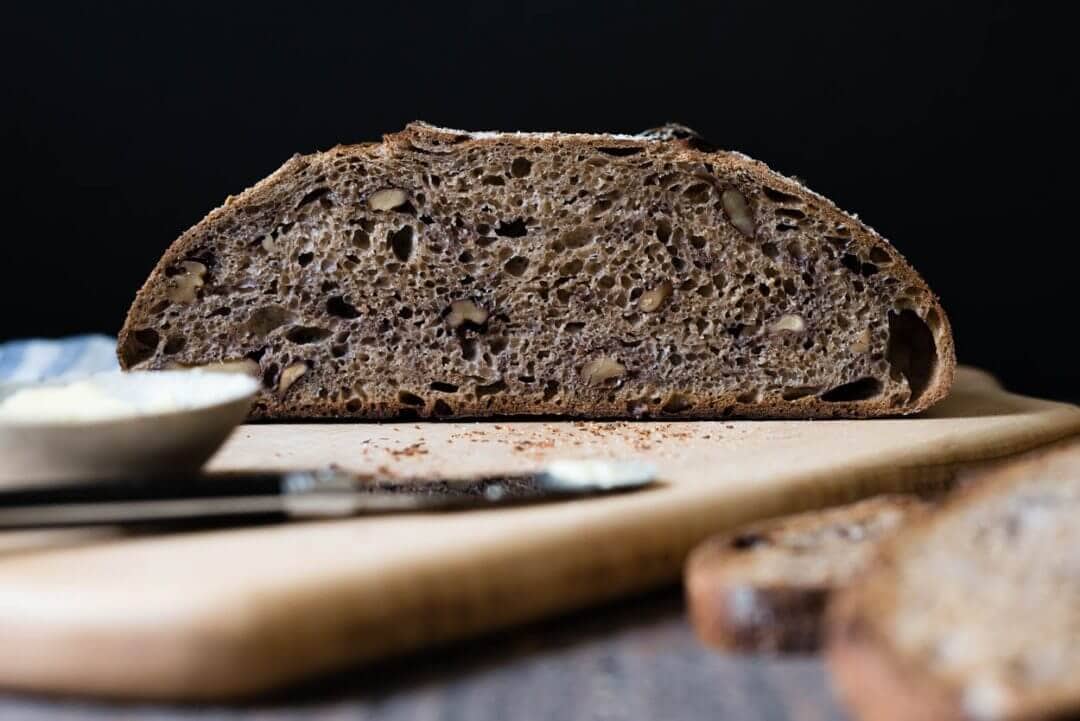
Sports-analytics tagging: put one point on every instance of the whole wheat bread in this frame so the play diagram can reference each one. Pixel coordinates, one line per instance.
(765, 586)
(974, 612)
(444, 273)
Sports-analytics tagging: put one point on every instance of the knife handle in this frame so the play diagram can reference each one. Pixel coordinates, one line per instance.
(150, 489)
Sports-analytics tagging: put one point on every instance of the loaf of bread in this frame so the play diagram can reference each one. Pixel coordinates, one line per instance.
(764, 588)
(974, 612)
(453, 274)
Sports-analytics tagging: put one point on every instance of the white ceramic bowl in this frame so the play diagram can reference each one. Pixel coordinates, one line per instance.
(178, 419)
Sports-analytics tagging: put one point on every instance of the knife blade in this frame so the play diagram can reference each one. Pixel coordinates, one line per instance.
(322, 493)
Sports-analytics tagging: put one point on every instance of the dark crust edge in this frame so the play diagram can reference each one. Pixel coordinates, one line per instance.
(787, 618)
(419, 134)
(783, 619)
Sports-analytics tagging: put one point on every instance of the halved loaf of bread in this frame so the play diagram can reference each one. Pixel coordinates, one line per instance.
(974, 612)
(765, 586)
(453, 274)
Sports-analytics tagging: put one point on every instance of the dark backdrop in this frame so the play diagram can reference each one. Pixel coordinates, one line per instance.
(941, 124)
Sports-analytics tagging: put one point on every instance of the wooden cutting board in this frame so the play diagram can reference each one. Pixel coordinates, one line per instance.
(220, 614)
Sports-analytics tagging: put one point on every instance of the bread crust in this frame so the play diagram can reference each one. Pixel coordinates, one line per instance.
(280, 184)
(749, 619)
(741, 598)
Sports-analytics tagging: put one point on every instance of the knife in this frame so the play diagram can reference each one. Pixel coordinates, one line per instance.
(295, 495)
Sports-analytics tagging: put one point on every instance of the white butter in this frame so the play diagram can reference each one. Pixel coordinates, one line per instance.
(76, 402)
(119, 396)
(81, 401)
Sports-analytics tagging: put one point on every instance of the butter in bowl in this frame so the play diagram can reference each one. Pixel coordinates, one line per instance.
(117, 425)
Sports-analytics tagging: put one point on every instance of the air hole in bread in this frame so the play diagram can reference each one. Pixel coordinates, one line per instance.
(266, 318)
(601, 206)
(270, 375)
(860, 390)
(490, 389)
(303, 334)
(174, 344)
(621, 151)
(697, 193)
(520, 167)
(517, 265)
(204, 256)
(139, 346)
(442, 387)
(911, 350)
(401, 242)
(305, 258)
(361, 239)
(779, 196)
(514, 229)
(851, 262)
(837, 242)
(880, 256)
(570, 267)
(312, 196)
(410, 399)
(577, 238)
(338, 307)
(551, 389)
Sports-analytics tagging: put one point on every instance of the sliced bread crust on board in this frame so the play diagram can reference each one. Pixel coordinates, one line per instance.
(442, 273)
(973, 613)
(765, 587)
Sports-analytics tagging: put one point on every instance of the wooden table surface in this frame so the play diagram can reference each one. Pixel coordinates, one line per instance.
(637, 659)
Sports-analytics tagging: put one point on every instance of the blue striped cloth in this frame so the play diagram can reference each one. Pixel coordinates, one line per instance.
(36, 358)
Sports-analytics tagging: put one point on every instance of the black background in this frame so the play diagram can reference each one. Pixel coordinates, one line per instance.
(943, 125)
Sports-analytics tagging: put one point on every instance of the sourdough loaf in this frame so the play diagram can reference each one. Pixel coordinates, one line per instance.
(764, 587)
(974, 612)
(453, 274)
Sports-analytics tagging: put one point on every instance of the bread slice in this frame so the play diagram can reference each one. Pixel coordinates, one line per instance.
(973, 613)
(452, 274)
(764, 587)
